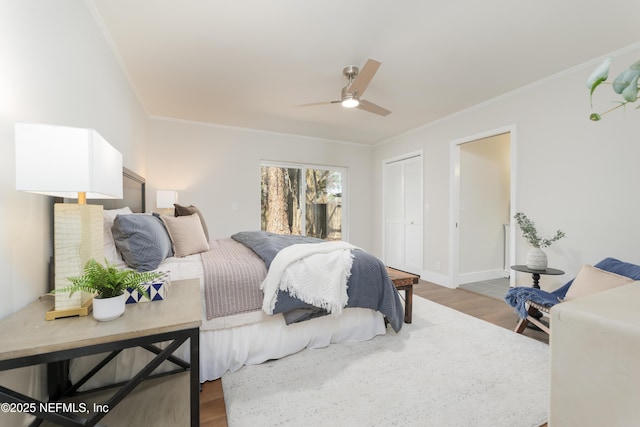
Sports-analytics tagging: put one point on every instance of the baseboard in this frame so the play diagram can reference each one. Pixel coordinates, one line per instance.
(480, 276)
(438, 279)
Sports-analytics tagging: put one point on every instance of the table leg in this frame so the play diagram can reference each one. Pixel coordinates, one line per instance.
(536, 280)
(532, 311)
(57, 378)
(408, 308)
(194, 378)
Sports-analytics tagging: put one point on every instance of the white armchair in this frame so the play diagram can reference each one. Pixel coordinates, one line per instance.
(595, 360)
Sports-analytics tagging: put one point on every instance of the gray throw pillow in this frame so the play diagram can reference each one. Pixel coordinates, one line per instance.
(142, 240)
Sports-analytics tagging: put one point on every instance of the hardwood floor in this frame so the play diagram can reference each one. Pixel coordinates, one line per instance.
(212, 410)
(483, 307)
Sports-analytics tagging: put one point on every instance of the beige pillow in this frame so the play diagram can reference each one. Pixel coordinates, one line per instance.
(186, 234)
(189, 210)
(591, 280)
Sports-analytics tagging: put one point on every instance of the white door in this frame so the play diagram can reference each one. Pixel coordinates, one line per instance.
(403, 214)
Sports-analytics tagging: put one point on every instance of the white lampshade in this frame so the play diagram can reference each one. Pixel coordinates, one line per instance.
(63, 161)
(69, 162)
(166, 198)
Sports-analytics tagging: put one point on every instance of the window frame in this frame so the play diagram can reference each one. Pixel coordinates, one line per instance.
(303, 209)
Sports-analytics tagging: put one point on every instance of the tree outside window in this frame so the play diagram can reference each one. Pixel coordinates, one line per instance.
(302, 201)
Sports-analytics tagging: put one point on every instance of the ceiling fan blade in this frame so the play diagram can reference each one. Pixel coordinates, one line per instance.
(373, 108)
(313, 104)
(364, 77)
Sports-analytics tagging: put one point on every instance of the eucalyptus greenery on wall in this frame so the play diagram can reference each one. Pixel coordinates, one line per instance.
(625, 85)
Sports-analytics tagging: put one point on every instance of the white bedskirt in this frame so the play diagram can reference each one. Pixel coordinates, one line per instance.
(229, 349)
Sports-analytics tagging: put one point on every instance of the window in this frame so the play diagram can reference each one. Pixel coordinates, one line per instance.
(302, 200)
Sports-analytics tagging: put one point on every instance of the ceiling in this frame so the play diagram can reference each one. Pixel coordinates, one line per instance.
(254, 63)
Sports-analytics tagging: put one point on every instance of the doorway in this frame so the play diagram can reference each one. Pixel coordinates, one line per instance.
(482, 204)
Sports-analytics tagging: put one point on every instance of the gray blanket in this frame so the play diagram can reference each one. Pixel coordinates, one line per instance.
(369, 285)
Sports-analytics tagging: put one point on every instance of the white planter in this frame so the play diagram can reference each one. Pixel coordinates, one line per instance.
(105, 309)
(536, 259)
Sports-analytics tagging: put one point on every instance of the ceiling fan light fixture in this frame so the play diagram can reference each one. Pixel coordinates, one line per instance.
(357, 82)
(350, 102)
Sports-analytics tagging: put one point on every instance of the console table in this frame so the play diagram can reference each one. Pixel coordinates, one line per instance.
(28, 339)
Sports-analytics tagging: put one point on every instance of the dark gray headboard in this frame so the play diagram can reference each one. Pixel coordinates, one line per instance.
(133, 193)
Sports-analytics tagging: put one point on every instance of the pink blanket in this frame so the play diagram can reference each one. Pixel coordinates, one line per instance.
(232, 277)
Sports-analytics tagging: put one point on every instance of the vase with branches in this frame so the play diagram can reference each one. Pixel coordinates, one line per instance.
(536, 257)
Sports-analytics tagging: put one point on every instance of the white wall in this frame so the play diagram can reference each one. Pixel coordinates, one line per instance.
(484, 207)
(56, 68)
(572, 174)
(217, 169)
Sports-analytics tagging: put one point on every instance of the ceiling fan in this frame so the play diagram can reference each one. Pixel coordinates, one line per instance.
(358, 80)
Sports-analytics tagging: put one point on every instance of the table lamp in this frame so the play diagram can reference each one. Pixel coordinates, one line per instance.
(166, 198)
(70, 163)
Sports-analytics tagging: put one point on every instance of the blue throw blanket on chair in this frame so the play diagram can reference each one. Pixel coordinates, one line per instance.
(517, 297)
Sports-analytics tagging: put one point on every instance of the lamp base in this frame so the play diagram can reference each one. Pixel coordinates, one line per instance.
(84, 310)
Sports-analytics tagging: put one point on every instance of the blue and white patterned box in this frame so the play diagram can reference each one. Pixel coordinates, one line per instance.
(158, 290)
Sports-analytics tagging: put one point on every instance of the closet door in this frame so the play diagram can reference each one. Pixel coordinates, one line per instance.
(403, 214)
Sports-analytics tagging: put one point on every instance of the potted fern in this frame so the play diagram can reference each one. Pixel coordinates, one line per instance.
(109, 283)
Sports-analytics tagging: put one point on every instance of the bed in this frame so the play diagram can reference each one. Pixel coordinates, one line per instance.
(236, 332)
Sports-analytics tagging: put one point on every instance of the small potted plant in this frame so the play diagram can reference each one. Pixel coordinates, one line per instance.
(109, 283)
(536, 257)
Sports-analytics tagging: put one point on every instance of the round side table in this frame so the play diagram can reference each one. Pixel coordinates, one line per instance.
(535, 274)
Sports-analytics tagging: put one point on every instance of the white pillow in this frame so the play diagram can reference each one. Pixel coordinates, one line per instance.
(187, 234)
(591, 280)
(110, 251)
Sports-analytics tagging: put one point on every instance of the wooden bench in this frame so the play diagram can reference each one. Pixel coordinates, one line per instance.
(404, 282)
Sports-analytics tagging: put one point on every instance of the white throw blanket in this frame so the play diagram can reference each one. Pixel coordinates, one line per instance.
(315, 273)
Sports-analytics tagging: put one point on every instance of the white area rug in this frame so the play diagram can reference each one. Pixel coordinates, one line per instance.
(444, 369)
